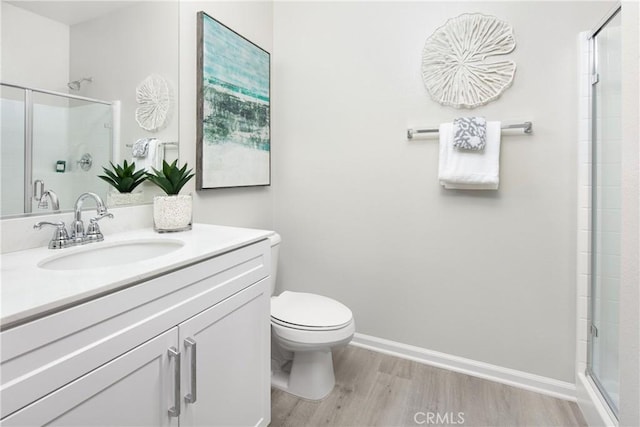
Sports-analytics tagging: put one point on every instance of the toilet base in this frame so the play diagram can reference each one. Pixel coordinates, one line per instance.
(310, 375)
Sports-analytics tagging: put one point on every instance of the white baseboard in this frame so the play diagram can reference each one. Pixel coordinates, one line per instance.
(512, 377)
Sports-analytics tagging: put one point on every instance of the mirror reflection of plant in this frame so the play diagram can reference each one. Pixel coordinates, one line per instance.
(171, 178)
(124, 178)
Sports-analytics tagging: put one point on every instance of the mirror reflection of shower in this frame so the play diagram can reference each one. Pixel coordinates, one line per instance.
(54, 129)
(76, 84)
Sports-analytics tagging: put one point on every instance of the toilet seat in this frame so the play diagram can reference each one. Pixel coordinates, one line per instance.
(294, 339)
(306, 328)
(310, 312)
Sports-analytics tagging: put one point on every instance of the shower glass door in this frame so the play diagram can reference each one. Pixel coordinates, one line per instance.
(51, 141)
(606, 209)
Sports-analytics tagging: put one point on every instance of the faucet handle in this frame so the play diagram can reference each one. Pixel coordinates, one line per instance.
(38, 225)
(60, 238)
(102, 215)
(93, 230)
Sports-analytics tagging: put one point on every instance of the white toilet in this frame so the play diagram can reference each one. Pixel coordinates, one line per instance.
(304, 329)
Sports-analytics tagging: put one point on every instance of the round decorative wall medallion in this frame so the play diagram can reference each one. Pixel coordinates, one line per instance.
(154, 99)
(455, 69)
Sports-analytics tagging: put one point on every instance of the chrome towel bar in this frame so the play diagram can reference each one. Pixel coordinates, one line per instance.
(173, 144)
(527, 127)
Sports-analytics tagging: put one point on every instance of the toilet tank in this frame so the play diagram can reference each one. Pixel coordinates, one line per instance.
(275, 249)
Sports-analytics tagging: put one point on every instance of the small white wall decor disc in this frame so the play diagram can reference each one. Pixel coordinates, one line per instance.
(153, 96)
(455, 69)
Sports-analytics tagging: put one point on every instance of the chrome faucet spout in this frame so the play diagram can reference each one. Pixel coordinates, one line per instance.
(77, 227)
(101, 208)
(46, 196)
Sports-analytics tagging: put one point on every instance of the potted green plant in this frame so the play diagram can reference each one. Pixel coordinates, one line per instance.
(124, 180)
(172, 212)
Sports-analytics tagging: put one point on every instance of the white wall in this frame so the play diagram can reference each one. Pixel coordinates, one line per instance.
(483, 275)
(34, 58)
(630, 262)
(246, 207)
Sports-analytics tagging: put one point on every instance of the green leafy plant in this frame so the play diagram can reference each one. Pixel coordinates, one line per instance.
(171, 178)
(124, 178)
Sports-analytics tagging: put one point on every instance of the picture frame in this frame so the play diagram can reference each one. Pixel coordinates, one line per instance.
(233, 146)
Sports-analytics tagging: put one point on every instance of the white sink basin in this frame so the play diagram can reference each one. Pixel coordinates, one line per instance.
(110, 254)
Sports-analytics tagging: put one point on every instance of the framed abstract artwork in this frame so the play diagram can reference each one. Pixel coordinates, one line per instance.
(233, 147)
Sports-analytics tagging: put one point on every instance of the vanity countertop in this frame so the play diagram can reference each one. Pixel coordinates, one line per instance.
(28, 291)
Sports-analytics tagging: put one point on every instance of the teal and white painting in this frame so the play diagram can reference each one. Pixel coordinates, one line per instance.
(234, 143)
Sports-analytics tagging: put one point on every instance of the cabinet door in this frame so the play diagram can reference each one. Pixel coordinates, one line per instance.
(135, 389)
(232, 366)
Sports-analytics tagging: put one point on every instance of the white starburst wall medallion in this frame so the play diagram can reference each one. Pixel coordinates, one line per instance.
(155, 102)
(455, 65)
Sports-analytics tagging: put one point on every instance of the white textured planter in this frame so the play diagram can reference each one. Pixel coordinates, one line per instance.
(122, 199)
(172, 213)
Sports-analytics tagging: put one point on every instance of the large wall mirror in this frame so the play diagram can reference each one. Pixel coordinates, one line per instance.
(78, 78)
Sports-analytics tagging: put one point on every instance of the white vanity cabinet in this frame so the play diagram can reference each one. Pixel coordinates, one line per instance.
(132, 390)
(232, 370)
(187, 348)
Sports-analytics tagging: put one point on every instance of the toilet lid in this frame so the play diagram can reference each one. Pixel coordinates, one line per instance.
(309, 310)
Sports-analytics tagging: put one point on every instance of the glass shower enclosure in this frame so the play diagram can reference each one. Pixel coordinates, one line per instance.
(52, 141)
(606, 115)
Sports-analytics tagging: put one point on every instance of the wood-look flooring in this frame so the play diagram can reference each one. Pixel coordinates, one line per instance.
(373, 389)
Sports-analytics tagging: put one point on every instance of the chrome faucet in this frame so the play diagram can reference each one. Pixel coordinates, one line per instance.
(43, 203)
(61, 238)
(93, 234)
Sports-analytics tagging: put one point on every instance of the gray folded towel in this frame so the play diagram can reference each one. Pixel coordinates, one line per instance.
(140, 148)
(470, 133)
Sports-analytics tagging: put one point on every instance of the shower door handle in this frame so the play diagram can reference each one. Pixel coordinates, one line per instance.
(190, 343)
(38, 189)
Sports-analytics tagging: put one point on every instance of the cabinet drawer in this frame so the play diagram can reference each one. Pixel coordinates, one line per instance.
(42, 356)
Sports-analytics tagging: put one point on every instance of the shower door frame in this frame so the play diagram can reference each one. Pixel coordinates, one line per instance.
(593, 71)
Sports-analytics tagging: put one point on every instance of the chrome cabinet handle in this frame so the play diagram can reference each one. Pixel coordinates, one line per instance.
(190, 343)
(174, 411)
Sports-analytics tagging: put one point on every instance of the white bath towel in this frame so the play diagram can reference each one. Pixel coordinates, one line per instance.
(151, 159)
(470, 170)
